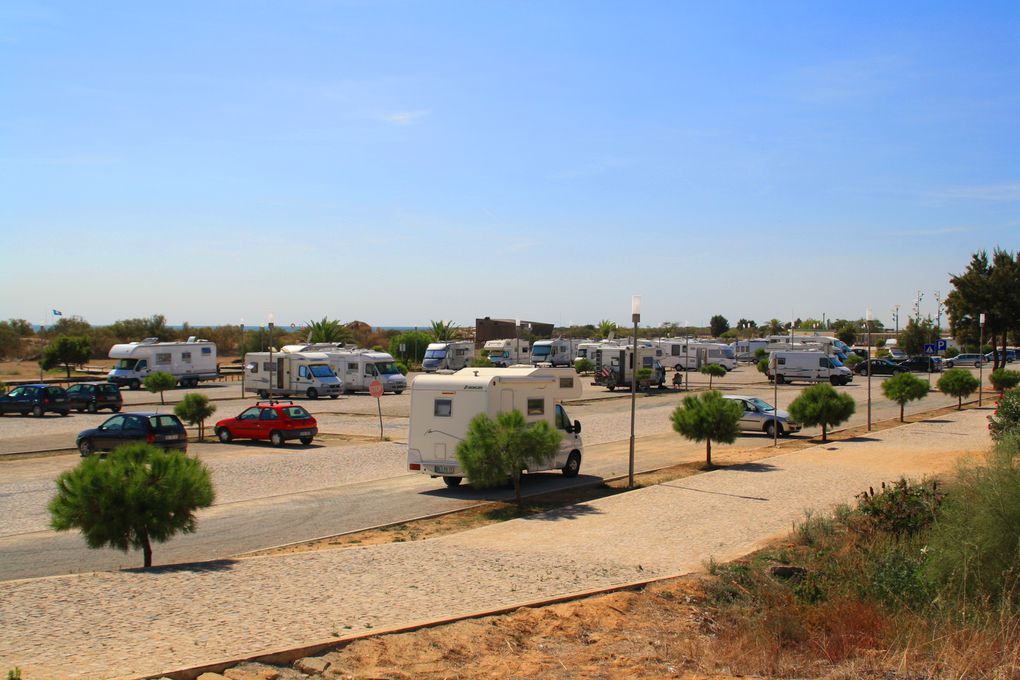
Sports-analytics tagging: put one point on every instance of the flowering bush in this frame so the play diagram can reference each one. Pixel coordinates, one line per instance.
(1006, 418)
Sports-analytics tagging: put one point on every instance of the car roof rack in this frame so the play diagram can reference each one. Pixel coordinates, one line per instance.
(274, 402)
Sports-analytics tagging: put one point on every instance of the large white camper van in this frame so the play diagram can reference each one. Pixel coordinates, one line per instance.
(558, 352)
(286, 373)
(189, 361)
(448, 356)
(358, 368)
(807, 366)
(442, 406)
(508, 351)
(688, 354)
(613, 365)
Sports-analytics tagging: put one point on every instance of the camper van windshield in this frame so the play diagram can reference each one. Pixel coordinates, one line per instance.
(836, 361)
(321, 370)
(728, 352)
(387, 368)
(435, 353)
(541, 350)
(126, 364)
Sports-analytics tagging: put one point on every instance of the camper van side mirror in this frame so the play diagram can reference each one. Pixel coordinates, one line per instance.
(577, 427)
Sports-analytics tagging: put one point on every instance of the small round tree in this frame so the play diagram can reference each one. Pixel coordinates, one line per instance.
(495, 450)
(584, 366)
(159, 382)
(822, 405)
(138, 494)
(959, 383)
(1003, 379)
(713, 371)
(903, 388)
(708, 417)
(194, 408)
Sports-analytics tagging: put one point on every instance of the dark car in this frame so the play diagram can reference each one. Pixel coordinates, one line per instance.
(35, 399)
(274, 420)
(879, 367)
(94, 396)
(922, 364)
(160, 429)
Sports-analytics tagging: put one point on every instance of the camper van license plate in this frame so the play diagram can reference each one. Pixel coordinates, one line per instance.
(444, 469)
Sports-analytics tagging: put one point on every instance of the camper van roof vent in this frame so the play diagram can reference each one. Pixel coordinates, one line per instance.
(149, 341)
(192, 338)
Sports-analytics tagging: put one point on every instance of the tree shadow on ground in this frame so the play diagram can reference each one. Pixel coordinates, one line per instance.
(565, 513)
(861, 439)
(210, 567)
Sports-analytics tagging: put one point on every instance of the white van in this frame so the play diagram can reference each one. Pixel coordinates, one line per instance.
(614, 365)
(448, 356)
(807, 366)
(508, 351)
(442, 406)
(287, 373)
(189, 361)
(558, 352)
(358, 368)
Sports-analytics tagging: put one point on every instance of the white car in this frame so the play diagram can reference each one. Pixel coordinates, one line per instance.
(761, 416)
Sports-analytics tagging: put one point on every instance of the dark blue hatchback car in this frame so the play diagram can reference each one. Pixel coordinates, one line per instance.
(35, 399)
(162, 429)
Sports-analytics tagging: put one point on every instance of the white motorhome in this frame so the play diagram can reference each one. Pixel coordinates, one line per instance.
(613, 365)
(448, 356)
(286, 373)
(442, 407)
(745, 349)
(558, 352)
(586, 349)
(358, 368)
(824, 343)
(508, 351)
(807, 366)
(189, 362)
(688, 354)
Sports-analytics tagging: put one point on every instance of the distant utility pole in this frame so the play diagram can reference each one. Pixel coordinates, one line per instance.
(917, 307)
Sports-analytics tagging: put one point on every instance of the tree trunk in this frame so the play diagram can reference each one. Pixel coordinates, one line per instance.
(825, 433)
(959, 403)
(146, 549)
(161, 398)
(708, 452)
(709, 381)
(67, 367)
(517, 493)
(901, 412)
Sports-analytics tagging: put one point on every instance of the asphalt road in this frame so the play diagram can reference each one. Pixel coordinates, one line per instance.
(275, 496)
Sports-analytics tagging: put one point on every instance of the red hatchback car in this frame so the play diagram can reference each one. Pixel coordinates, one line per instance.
(276, 421)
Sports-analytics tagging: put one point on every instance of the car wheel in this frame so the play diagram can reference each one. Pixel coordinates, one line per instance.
(223, 434)
(306, 440)
(134, 384)
(85, 447)
(312, 393)
(92, 407)
(81, 409)
(115, 409)
(452, 482)
(276, 438)
(780, 379)
(573, 465)
(770, 429)
(37, 411)
(334, 396)
(64, 413)
(833, 380)
(398, 391)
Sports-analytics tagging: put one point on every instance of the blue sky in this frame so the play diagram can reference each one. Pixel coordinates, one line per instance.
(396, 162)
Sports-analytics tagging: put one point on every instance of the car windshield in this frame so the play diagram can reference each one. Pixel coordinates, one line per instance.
(321, 371)
(762, 405)
(126, 364)
(387, 368)
(435, 353)
(297, 413)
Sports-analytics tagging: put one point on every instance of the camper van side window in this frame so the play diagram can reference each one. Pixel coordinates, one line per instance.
(566, 383)
(443, 408)
(186, 357)
(782, 361)
(303, 372)
(646, 362)
(352, 365)
(676, 350)
(536, 407)
(207, 350)
(162, 358)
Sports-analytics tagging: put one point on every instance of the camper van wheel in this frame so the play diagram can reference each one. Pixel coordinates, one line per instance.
(223, 434)
(312, 393)
(262, 394)
(573, 465)
(780, 379)
(452, 481)
(276, 438)
(134, 384)
(397, 391)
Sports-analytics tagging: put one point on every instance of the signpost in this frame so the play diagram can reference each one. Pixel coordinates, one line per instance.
(375, 389)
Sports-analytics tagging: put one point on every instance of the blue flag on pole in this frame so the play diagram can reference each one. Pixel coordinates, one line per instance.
(57, 312)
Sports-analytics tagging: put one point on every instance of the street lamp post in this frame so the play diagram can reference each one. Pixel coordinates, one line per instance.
(635, 315)
(896, 317)
(242, 358)
(270, 320)
(867, 324)
(981, 360)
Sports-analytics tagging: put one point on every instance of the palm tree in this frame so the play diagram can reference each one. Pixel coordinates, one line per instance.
(443, 331)
(606, 327)
(327, 330)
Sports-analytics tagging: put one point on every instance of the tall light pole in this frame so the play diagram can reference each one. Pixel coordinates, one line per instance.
(635, 315)
(896, 318)
(867, 324)
(269, 320)
(981, 360)
(243, 369)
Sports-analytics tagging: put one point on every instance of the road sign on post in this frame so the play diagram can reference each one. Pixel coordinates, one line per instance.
(942, 345)
(930, 348)
(375, 389)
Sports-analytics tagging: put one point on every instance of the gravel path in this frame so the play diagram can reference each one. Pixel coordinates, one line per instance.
(122, 623)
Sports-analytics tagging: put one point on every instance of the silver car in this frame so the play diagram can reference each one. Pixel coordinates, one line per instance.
(974, 360)
(761, 416)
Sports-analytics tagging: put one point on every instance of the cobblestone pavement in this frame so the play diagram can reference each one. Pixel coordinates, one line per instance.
(117, 624)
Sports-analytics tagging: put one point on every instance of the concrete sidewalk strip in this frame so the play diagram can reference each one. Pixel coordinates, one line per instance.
(132, 623)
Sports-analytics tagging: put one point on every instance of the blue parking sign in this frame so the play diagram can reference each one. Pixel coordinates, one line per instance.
(942, 345)
(929, 348)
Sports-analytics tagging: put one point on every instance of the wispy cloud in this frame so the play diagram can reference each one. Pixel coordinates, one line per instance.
(404, 117)
(1008, 192)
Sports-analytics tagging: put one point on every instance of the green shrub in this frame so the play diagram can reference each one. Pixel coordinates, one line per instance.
(903, 388)
(1006, 418)
(584, 366)
(959, 383)
(481, 362)
(402, 367)
(760, 353)
(713, 371)
(821, 405)
(193, 409)
(901, 509)
(643, 374)
(763, 366)
(952, 352)
(1003, 379)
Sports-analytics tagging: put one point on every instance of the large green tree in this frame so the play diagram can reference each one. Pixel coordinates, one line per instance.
(328, 330)
(718, 325)
(495, 450)
(915, 335)
(136, 495)
(903, 388)
(414, 343)
(66, 350)
(989, 286)
(822, 405)
(606, 327)
(707, 417)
